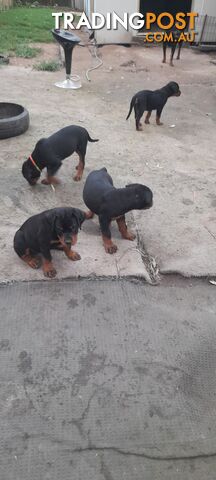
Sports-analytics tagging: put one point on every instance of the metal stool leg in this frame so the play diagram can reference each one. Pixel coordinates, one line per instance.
(68, 41)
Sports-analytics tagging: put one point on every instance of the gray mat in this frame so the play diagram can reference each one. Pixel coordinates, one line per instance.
(97, 370)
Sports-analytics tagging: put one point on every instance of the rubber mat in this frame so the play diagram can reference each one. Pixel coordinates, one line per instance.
(94, 370)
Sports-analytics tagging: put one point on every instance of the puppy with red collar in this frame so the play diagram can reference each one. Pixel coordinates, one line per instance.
(49, 153)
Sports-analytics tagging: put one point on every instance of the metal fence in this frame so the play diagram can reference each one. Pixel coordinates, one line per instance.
(5, 4)
(206, 28)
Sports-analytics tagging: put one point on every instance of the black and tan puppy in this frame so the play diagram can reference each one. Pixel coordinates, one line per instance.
(49, 153)
(173, 44)
(53, 229)
(148, 100)
(110, 203)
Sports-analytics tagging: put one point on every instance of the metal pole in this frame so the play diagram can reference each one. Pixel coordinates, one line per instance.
(203, 28)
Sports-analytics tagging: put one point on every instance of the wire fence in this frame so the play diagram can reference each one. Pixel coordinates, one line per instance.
(206, 28)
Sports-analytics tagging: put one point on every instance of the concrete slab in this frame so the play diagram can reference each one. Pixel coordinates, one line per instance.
(127, 262)
(177, 163)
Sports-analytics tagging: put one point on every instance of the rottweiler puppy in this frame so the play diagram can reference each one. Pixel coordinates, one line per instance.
(53, 229)
(148, 100)
(110, 203)
(173, 44)
(49, 153)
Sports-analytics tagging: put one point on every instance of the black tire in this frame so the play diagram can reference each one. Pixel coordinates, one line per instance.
(14, 120)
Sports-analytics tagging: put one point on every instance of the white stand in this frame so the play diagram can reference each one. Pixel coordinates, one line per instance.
(72, 81)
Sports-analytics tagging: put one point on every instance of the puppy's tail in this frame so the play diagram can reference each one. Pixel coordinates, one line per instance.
(92, 139)
(131, 107)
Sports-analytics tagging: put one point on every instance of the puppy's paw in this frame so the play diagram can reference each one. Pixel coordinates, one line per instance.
(89, 215)
(54, 181)
(49, 272)
(129, 236)
(111, 248)
(50, 181)
(74, 256)
(35, 263)
(77, 177)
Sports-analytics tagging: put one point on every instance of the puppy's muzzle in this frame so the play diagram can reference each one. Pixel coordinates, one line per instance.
(32, 182)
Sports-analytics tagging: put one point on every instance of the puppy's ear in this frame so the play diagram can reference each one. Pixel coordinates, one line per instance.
(57, 226)
(79, 216)
(25, 170)
(174, 87)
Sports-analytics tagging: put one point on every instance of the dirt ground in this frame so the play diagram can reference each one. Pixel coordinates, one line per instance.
(49, 51)
(177, 160)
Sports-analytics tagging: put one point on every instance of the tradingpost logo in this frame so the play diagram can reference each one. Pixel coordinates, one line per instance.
(165, 21)
(136, 21)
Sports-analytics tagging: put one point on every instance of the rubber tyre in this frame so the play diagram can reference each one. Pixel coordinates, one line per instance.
(14, 121)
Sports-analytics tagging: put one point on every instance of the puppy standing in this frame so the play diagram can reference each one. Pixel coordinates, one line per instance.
(148, 100)
(110, 203)
(49, 153)
(53, 229)
(173, 44)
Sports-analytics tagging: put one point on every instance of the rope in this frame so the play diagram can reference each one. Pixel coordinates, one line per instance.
(96, 56)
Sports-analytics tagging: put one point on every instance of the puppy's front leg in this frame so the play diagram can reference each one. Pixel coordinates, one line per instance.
(125, 233)
(51, 171)
(67, 248)
(109, 246)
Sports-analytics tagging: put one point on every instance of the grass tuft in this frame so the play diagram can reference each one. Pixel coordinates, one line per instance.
(26, 51)
(49, 66)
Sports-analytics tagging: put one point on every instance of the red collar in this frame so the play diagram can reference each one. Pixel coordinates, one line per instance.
(33, 163)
